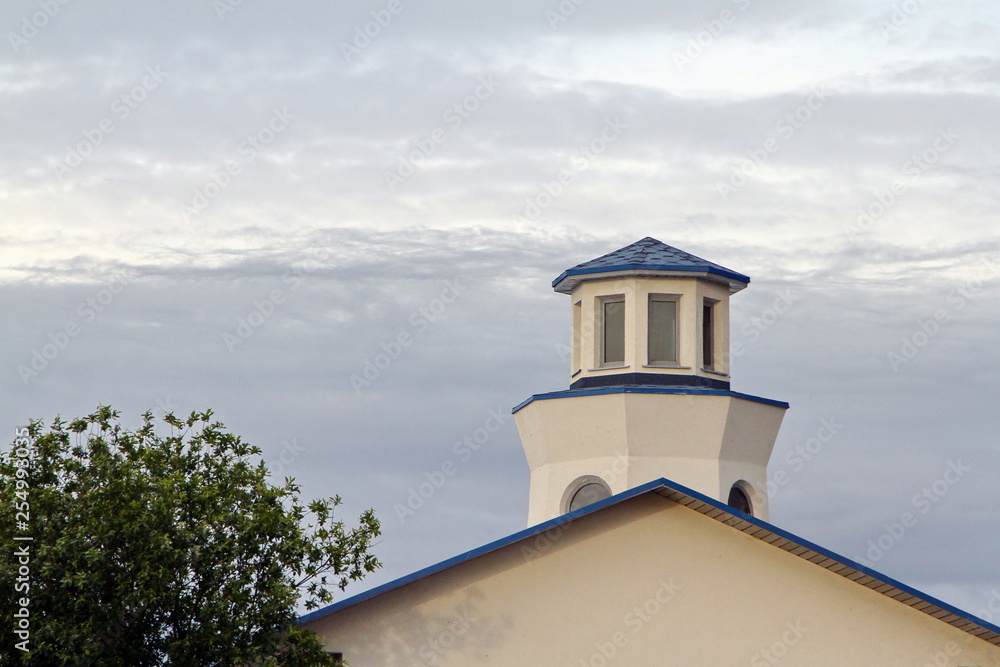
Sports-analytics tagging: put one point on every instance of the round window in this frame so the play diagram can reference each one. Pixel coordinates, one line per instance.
(589, 493)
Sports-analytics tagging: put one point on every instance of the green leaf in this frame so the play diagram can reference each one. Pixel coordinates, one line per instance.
(154, 549)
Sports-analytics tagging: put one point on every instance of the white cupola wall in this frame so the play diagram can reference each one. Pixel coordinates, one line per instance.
(650, 393)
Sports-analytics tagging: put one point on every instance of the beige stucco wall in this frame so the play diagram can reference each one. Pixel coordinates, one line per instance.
(646, 582)
(691, 293)
(705, 442)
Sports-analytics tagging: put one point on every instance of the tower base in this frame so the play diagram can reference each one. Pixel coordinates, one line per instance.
(621, 437)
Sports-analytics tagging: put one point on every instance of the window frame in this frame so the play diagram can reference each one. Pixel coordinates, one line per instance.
(576, 353)
(603, 302)
(745, 490)
(709, 324)
(579, 483)
(663, 298)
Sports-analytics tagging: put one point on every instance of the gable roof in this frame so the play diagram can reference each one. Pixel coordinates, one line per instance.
(649, 255)
(733, 518)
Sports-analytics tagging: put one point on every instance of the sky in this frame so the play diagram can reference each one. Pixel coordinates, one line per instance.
(246, 206)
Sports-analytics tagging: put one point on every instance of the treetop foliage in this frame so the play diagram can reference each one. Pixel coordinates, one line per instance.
(154, 548)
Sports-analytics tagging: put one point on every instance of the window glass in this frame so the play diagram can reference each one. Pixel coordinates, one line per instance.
(589, 493)
(738, 500)
(708, 335)
(662, 331)
(577, 335)
(614, 333)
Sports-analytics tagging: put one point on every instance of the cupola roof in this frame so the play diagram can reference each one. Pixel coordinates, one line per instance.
(650, 257)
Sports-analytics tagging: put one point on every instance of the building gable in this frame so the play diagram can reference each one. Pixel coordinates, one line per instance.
(659, 575)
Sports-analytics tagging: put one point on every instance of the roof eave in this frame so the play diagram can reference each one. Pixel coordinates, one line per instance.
(721, 512)
(570, 278)
(645, 389)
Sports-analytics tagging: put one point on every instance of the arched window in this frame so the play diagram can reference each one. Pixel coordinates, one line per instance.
(739, 500)
(585, 491)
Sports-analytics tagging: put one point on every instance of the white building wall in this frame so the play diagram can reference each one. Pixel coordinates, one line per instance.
(690, 292)
(645, 582)
(705, 442)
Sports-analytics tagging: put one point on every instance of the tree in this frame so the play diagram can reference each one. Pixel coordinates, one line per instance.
(151, 549)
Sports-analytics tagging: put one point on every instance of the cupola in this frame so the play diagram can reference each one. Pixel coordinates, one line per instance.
(650, 314)
(650, 392)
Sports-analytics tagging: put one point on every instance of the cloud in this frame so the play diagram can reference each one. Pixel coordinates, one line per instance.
(300, 268)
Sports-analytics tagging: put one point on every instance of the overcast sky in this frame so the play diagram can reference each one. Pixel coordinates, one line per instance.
(240, 205)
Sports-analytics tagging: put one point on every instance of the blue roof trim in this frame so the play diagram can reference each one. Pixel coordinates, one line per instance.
(475, 553)
(843, 560)
(661, 483)
(653, 486)
(725, 273)
(642, 389)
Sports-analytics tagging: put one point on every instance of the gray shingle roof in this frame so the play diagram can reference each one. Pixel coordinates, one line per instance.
(649, 254)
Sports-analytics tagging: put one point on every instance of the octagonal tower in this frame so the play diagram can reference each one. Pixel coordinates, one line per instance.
(650, 395)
